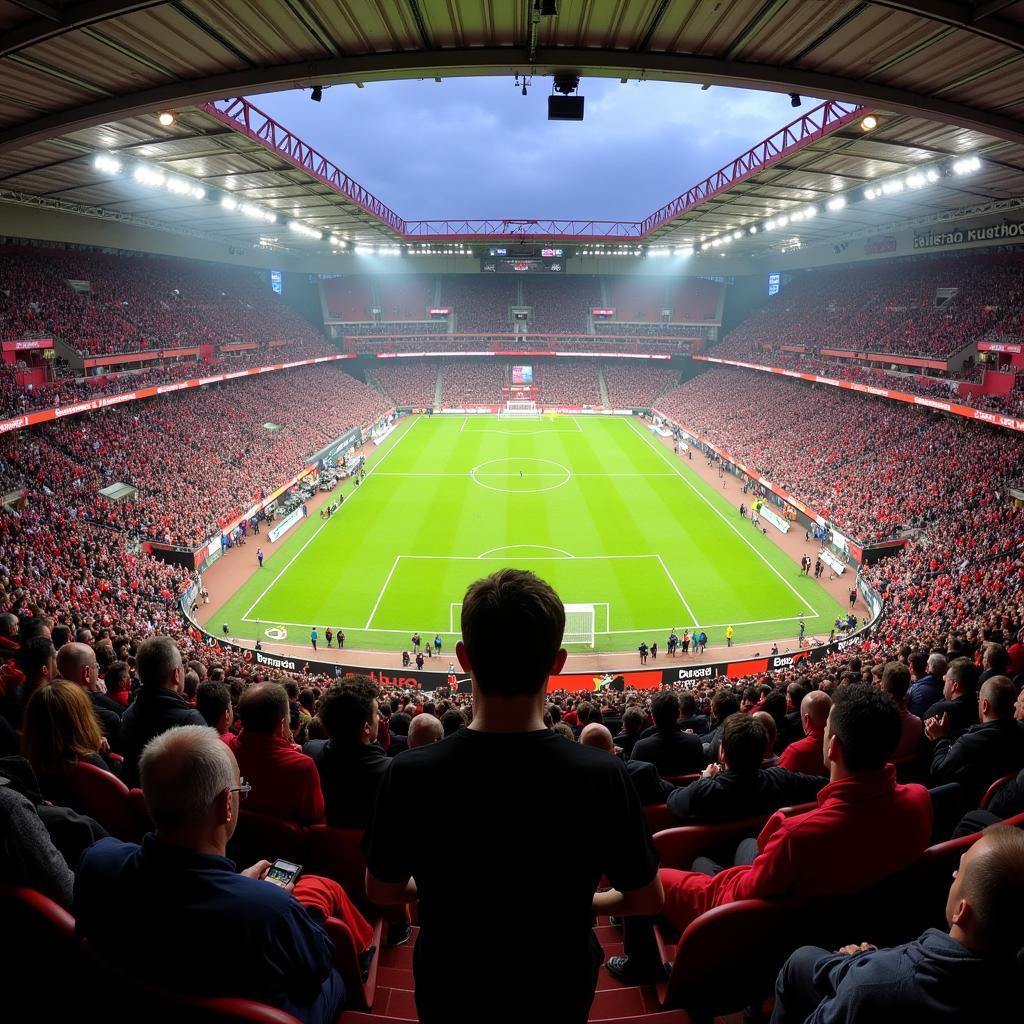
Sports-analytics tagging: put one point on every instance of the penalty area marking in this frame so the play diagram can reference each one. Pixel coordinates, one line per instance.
(549, 429)
(526, 547)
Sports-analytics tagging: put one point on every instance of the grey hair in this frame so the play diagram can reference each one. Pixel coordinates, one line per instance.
(937, 664)
(183, 771)
(155, 660)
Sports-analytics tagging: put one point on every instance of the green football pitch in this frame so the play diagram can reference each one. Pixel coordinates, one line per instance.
(596, 506)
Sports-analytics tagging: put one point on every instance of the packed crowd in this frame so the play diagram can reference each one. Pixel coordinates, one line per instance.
(636, 383)
(575, 382)
(482, 302)
(155, 447)
(902, 739)
(471, 382)
(561, 304)
(408, 382)
(894, 306)
(844, 455)
(132, 304)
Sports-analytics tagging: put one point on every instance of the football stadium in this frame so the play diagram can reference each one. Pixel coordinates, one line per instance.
(414, 611)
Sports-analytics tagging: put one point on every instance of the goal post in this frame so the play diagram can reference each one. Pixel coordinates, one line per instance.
(519, 410)
(579, 624)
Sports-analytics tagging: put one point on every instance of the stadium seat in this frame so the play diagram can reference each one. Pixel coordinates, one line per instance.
(115, 995)
(658, 818)
(261, 836)
(995, 787)
(346, 959)
(100, 795)
(678, 847)
(682, 780)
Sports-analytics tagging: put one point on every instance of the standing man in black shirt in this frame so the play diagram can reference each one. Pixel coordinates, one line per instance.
(522, 940)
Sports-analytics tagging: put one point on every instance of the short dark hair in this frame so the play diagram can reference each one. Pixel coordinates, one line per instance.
(35, 655)
(512, 603)
(687, 705)
(155, 660)
(998, 657)
(866, 722)
(117, 678)
(633, 720)
(744, 739)
(896, 679)
(918, 661)
(263, 707)
(212, 700)
(348, 706)
(452, 721)
(964, 672)
(723, 704)
(584, 712)
(665, 709)
(796, 691)
(400, 722)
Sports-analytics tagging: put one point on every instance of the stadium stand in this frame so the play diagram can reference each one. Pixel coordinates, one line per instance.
(636, 299)
(348, 299)
(471, 381)
(480, 303)
(405, 296)
(408, 382)
(570, 382)
(561, 304)
(636, 384)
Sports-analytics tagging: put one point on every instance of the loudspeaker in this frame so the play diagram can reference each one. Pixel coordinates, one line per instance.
(565, 108)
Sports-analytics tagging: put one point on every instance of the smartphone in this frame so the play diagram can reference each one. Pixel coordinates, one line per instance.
(283, 873)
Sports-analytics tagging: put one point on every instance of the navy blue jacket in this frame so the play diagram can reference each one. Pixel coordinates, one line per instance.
(189, 922)
(923, 694)
(929, 980)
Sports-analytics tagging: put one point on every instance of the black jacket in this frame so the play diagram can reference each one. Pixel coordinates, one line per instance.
(672, 753)
(650, 786)
(979, 756)
(627, 742)
(731, 797)
(962, 713)
(1009, 799)
(151, 714)
(350, 776)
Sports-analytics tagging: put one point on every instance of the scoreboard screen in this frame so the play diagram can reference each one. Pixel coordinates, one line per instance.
(522, 265)
(522, 374)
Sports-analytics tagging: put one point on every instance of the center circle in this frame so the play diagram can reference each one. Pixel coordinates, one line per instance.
(520, 476)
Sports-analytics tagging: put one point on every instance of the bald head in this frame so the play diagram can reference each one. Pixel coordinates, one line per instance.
(996, 699)
(425, 729)
(77, 663)
(597, 735)
(814, 709)
(185, 772)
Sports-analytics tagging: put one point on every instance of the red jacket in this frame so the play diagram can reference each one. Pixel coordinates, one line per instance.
(864, 829)
(806, 755)
(285, 782)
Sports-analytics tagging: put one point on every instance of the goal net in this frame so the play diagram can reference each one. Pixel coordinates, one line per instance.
(519, 410)
(579, 624)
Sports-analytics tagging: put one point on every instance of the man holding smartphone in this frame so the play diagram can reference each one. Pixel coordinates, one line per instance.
(175, 911)
(538, 808)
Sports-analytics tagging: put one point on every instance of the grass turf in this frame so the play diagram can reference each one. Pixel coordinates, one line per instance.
(596, 506)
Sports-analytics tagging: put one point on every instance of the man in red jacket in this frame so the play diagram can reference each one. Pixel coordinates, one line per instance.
(833, 849)
(808, 755)
(284, 781)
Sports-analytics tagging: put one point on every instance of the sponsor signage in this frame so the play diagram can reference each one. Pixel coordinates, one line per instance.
(1000, 346)
(440, 311)
(285, 525)
(27, 344)
(602, 312)
(962, 236)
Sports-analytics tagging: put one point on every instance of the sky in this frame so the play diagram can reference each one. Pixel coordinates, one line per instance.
(476, 147)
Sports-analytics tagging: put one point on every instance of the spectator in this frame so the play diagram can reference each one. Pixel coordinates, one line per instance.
(650, 787)
(960, 702)
(77, 663)
(213, 702)
(896, 683)
(424, 730)
(740, 787)
(159, 705)
(284, 781)
(452, 721)
(398, 733)
(245, 937)
(59, 731)
(498, 764)
(723, 704)
(968, 974)
(927, 690)
(117, 679)
(827, 851)
(689, 720)
(351, 765)
(670, 750)
(984, 752)
(37, 661)
(633, 722)
(771, 759)
(807, 755)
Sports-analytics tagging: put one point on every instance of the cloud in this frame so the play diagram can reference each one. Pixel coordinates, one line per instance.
(469, 148)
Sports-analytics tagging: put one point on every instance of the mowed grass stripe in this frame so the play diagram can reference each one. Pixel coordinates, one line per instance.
(627, 500)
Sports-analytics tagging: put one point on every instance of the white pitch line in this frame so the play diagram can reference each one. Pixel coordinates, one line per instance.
(532, 558)
(316, 532)
(675, 587)
(380, 596)
(468, 473)
(804, 603)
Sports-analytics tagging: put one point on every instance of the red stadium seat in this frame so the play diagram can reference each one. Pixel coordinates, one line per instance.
(100, 795)
(346, 959)
(658, 818)
(261, 836)
(995, 787)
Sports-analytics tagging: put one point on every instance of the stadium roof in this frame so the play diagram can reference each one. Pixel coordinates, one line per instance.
(944, 79)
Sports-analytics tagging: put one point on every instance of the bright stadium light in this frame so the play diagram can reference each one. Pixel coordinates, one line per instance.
(167, 118)
(770, 225)
(871, 193)
(107, 164)
(304, 229)
(967, 165)
(752, 229)
(228, 203)
(836, 203)
(782, 221)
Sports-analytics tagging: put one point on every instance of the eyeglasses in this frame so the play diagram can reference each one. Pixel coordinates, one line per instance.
(242, 789)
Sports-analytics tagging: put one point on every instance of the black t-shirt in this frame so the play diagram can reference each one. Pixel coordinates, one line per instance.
(507, 837)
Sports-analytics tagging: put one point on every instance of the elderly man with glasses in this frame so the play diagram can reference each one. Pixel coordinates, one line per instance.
(175, 911)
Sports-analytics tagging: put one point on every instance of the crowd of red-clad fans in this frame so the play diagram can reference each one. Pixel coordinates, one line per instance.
(846, 456)
(636, 384)
(155, 446)
(573, 382)
(408, 382)
(901, 307)
(140, 303)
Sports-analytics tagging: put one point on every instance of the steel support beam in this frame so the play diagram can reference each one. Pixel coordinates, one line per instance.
(58, 20)
(471, 62)
(979, 21)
